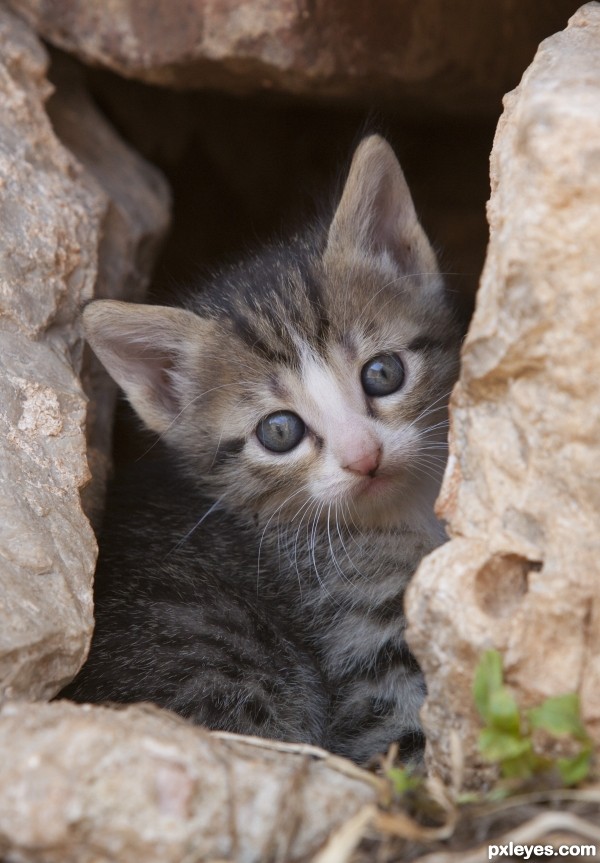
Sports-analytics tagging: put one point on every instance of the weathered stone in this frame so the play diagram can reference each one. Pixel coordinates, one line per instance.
(521, 491)
(133, 226)
(82, 784)
(459, 56)
(55, 223)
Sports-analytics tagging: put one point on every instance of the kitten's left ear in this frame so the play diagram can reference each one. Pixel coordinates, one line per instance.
(376, 213)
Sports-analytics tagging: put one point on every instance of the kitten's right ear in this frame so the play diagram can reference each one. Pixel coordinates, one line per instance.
(149, 351)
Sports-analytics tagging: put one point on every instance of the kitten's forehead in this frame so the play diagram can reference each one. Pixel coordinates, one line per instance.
(313, 307)
(373, 297)
(327, 388)
(272, 311)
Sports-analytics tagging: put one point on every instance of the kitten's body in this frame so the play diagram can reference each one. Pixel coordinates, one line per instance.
(263, 593)
(182, 621)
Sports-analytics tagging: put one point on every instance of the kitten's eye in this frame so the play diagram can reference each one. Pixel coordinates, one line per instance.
(281, 431)
(382, 375)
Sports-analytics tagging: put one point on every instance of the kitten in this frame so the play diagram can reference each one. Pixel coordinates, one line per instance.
(253, 579)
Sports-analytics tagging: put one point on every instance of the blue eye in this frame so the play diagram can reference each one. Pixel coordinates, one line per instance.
(382, 375)
(281, 431)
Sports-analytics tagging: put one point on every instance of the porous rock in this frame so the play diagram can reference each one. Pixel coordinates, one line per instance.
(83, 784)
(521, 493)
(134, 222)
(459, 56)
(56, 224)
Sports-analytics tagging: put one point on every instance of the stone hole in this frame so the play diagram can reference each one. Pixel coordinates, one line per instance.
(502, 582)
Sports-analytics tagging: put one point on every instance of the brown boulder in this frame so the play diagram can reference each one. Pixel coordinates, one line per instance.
(57, 244)
(457, 57)
(83, 784)
(521, 491)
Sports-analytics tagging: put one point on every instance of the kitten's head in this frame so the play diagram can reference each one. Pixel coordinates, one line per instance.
(311, 379)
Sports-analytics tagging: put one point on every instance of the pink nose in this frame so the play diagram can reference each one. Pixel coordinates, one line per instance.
(366, 464)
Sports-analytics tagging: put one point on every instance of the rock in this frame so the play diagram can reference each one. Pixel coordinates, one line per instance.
(83, 784)
(521, 495)
(458, 57)
(134, 224)
(58, 240)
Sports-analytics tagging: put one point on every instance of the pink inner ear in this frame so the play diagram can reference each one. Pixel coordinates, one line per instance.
(146, 349)
(387, 219)
(143, 362)
(165, 384)
(376, 211)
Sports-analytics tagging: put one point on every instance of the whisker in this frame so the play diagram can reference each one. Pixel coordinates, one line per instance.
(331, 550)
(417, 470)
(308, 507)
(312, 546)
(260, 545)
(352, 564)
(195, 527)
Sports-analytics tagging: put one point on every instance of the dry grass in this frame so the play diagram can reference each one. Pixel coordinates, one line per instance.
(431, 825)
(403, 831)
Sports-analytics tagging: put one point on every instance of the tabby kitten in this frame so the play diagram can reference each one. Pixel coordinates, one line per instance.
(252, 579)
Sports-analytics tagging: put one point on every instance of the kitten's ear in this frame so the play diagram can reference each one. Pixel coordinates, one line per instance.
(149, 351)
(376, 213)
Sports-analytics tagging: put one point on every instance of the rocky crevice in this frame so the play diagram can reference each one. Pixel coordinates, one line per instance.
(84, 215)
(525, 424)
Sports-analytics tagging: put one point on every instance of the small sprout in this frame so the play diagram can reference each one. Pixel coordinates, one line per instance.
(559, 716)
(488, 679)
(495, 745)
(507, 737)
(575, 770)
(503, 712)
(402, 780)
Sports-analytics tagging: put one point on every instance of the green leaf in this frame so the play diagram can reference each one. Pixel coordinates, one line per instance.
(500, 792)
(499, 746)
(467, 797)
(488, 679)
(575, 770)
(402, 780)
(560, 716)
(503, 712)
(524, 766)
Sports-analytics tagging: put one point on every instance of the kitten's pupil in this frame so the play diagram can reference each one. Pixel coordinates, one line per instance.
(382, 375)
(280, 431)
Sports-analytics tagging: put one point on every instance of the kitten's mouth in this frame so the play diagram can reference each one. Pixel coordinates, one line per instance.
(378, 501)
(373, 485)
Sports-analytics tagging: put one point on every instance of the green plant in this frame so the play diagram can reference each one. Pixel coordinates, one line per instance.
(507, 738)
(403, 780)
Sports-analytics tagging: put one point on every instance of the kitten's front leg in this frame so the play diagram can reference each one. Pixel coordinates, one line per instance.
(220, 665)
(378, 707)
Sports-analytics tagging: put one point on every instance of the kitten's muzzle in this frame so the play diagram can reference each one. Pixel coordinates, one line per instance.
(365, 464)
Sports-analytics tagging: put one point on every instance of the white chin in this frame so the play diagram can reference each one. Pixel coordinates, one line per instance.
(384, 502)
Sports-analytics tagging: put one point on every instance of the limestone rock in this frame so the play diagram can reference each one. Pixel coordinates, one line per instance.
(83, 784)
(55, 224)
(521, 491)
(459, 56)
(133, 226)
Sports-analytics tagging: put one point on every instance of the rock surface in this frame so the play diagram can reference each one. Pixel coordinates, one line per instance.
(83, 784)
(134, 222)
(521, 495)
(56, 223)
(457, 57)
